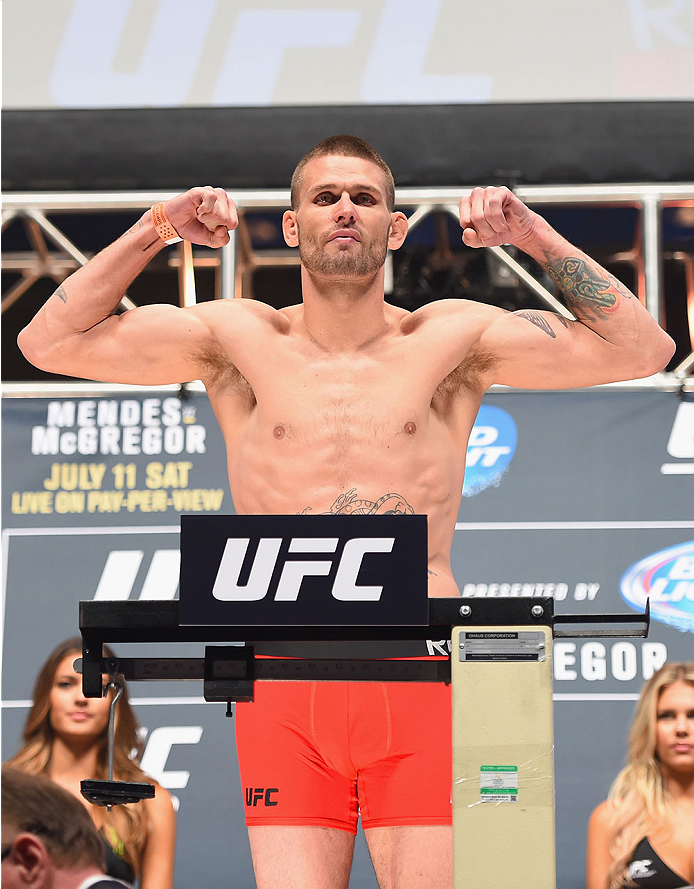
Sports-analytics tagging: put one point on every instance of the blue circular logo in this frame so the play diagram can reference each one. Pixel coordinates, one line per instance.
(490, 449)
(667, 578)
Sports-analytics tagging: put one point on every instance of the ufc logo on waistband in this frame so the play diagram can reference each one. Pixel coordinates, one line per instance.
(345, 587)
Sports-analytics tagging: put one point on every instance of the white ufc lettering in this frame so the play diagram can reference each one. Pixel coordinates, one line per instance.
(681, 441)
(156, 753)
(261, 40)
(117, 580)
(345, 587)
(667, 20)
(111, 83)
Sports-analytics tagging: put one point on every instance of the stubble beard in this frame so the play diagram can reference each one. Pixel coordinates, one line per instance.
(345, 264)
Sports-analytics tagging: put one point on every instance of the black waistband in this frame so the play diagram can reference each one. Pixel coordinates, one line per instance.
(354, 649)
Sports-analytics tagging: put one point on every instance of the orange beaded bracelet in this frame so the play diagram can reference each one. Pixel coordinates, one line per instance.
(164, 229)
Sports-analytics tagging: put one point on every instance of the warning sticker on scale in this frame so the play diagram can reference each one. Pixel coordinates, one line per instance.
(499, 784)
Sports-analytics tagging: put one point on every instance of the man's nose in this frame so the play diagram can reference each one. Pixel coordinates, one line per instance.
(344, 208)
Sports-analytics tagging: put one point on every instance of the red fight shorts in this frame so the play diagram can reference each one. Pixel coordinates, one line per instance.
(322, 753)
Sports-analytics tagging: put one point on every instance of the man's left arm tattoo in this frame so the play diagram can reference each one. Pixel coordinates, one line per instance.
(541, 321)
(61, 293)
(590, 294)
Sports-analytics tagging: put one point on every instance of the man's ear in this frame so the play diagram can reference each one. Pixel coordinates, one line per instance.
(290, 229)
(398, 230)
(29, 861)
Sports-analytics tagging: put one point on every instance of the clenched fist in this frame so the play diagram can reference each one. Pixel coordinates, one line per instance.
(494, 216)
(203, 215)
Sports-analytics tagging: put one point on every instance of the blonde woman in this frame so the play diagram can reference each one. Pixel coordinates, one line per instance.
(65, 739)
(643, 834)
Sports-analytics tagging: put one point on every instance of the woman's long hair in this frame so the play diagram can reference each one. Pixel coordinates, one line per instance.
(34, 757)
(639, 794)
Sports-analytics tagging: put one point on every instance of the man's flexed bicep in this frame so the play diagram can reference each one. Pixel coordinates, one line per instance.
(613, 336)
(535, 349)
(77, 333)
(146, 346)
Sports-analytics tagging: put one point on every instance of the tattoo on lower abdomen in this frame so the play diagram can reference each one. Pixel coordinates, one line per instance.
(61, 294)
(350, 504)
(588, 293)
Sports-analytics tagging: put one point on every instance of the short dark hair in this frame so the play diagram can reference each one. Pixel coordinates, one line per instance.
(38, 805)
(345, 146)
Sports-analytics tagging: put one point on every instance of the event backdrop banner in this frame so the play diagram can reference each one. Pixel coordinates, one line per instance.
(295, 52)
(586, 496)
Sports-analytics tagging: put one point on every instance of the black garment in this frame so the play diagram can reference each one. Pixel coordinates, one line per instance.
(389, 648)
(115, 865)
(648, 870)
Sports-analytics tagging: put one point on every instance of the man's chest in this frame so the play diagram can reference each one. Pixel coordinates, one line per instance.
(318, 402)
(397, 380)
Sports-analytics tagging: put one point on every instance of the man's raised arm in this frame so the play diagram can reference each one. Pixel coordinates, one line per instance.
(77, 333)
(614, 336)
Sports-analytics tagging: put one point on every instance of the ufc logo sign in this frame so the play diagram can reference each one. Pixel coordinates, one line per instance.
(345, 588)
(299, 570)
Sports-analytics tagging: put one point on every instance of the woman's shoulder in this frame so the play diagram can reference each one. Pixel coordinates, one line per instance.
(602, 815)
(598, 856)
(160, 807)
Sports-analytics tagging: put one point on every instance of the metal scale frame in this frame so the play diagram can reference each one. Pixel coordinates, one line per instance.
(501, 674)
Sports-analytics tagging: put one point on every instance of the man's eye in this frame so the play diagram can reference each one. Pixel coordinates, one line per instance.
(324, 198)
(365, 199)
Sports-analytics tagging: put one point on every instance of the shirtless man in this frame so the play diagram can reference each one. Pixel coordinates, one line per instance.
(345, 396)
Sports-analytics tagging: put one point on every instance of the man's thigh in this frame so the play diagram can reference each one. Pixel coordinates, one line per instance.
(301, 857)
(412, 857)
(410, 783)
(289, 776)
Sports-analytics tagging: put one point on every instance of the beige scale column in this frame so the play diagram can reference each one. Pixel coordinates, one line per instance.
(503, 762)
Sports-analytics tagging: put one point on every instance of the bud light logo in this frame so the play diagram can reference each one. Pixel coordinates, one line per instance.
(667, 578)
(490, 449)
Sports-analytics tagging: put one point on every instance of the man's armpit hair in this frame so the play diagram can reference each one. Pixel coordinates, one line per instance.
(219, 371)
(467, 375)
